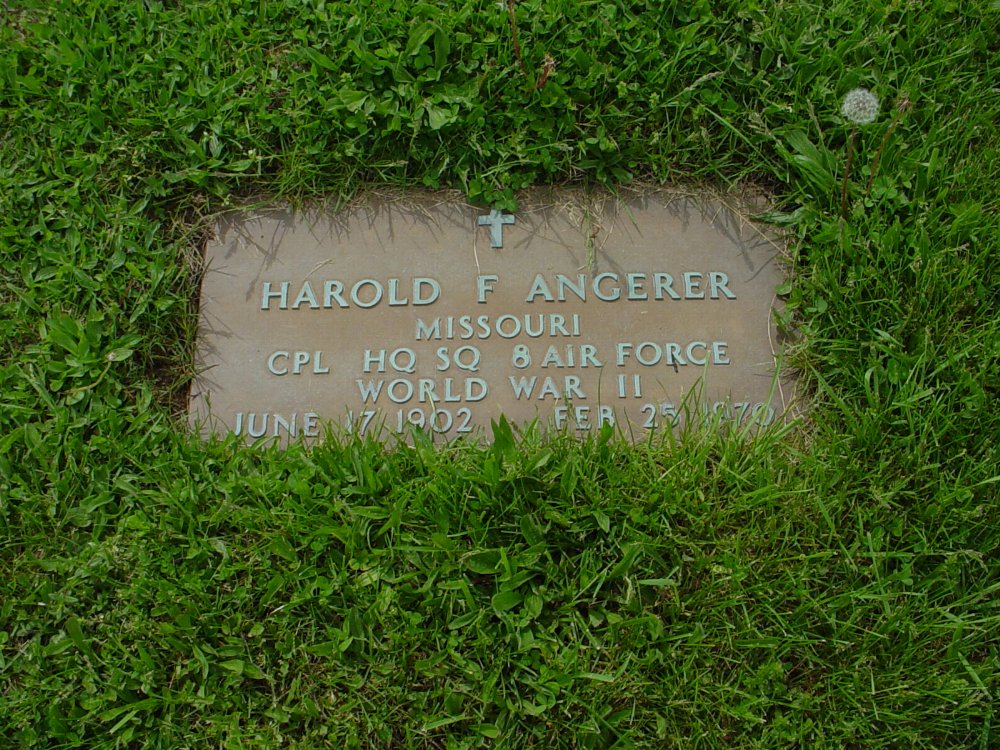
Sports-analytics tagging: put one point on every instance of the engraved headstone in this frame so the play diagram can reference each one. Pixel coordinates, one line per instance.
(576, 310)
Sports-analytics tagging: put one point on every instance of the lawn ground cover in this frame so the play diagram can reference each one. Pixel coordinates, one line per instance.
(833, 583)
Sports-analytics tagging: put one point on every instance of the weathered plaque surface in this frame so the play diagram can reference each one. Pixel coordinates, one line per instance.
(640, 312)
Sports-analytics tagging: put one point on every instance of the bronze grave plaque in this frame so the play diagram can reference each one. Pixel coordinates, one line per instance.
(640, 312)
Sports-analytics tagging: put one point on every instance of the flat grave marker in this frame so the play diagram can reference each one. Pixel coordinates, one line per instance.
(578, 311)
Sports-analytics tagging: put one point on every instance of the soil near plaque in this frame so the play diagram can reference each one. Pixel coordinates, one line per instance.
(641, 311)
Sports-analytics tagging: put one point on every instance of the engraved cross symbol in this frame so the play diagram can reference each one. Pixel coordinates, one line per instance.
(495, 221)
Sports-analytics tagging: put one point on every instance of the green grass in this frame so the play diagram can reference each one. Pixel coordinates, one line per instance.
(830, 585)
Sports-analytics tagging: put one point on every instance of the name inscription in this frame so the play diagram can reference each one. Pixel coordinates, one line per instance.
(637, 314)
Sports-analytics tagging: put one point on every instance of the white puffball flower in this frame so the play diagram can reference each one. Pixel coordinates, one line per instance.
(860, 106)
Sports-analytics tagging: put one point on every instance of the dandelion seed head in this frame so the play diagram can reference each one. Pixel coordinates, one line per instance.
(860, 106)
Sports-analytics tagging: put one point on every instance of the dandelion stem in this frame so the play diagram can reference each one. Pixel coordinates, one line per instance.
(903, 106)
(513, 34)
(847, 172)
